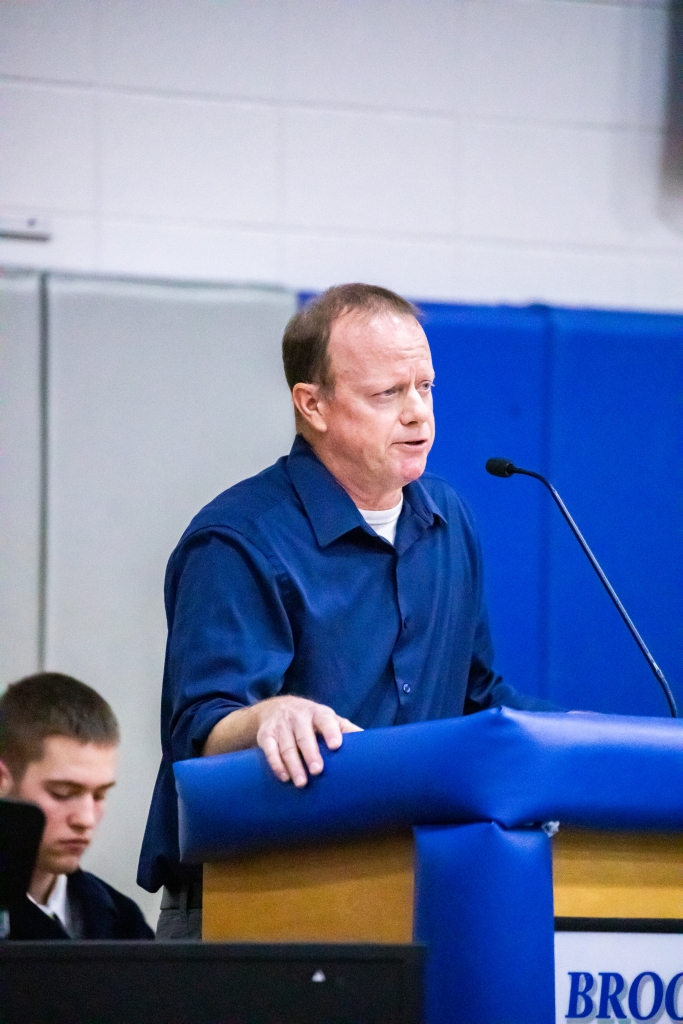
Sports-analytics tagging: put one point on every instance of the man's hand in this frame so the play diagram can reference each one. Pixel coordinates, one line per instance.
(287, 733)
(286, 729)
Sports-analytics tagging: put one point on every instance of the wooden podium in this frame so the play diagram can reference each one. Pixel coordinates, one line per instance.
(618, 874)
(363, 891)
(356, 891)
(432, 832)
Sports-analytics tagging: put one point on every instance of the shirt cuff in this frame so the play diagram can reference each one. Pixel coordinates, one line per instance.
(195, 725)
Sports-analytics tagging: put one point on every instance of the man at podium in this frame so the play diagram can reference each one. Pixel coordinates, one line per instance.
(339, 589)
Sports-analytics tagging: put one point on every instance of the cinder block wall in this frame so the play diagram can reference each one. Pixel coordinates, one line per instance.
(477, 150)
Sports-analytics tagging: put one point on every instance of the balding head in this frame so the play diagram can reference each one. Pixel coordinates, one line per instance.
(372, 423)
(306, 339)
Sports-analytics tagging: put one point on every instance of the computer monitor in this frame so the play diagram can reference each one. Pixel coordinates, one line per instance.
(21, 829)
(209, 983)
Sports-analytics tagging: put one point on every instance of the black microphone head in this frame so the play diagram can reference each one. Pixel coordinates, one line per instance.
(500, 467)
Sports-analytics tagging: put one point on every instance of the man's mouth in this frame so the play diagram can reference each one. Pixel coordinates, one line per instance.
(415, 444)
(75, 845)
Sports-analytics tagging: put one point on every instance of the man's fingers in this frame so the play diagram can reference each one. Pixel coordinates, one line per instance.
(290, 755)
(308, 745)
(270, 748)
(346, 726)
(287, 736)
(283, 757)
(327, 724)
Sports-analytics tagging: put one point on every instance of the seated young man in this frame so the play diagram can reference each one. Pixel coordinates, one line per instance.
(58, 747)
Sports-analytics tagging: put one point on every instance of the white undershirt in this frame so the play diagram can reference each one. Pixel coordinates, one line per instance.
(384, 521)
(57, 903)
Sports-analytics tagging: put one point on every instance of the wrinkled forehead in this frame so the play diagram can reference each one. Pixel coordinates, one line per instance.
(363, 341)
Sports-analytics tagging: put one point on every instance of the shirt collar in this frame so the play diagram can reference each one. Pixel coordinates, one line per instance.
(330, 510)
(417, 495)
(56, 905)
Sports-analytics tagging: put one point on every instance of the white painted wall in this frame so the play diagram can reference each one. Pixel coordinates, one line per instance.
(152, 400)
(155, 405)
(476, 150)
(20, 474)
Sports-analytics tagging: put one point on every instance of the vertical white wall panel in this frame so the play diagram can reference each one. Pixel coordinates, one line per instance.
(160, 396)
(20, 471)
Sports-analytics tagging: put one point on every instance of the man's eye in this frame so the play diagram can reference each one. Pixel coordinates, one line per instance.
(60, 794)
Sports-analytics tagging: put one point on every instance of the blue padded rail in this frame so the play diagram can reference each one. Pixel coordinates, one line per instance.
(484, 908)
(511, 767)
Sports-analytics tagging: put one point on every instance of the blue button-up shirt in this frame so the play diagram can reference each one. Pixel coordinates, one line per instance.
(280, 586)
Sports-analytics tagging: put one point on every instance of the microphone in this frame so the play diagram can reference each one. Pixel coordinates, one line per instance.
(505, 468)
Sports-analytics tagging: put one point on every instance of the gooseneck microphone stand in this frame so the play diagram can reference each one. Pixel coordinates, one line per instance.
(505, 468)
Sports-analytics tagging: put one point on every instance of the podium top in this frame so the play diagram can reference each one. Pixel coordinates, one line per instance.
(511, 767)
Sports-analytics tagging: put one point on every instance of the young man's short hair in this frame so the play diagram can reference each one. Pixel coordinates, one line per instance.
(50, 704)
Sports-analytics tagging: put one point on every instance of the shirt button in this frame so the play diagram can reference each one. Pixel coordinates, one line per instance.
(406, 687)
(405, 623)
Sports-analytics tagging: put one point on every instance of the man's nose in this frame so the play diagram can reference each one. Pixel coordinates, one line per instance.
(414, 407)
(84, 814)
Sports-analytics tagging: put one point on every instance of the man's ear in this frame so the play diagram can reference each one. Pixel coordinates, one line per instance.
(309, 405)
(6, 780)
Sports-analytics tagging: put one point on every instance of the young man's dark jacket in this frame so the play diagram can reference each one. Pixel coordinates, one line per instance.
(104, 912)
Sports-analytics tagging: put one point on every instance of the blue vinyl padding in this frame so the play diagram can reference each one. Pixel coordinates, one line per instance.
(484, 907)
(511, 767)
(616, 427)
(490, 399)
(592, 399)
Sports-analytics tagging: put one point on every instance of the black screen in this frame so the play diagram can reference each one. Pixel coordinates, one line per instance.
(208, 983)
(21, 829)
